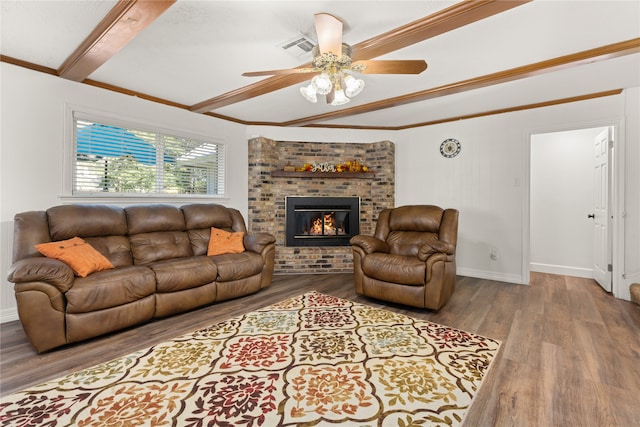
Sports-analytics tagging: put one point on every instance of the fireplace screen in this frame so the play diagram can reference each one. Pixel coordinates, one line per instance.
(321, 221)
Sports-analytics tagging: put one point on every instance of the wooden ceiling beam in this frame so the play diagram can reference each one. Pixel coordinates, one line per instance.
(443, 21)
(614, 50)
(514, 108)
(448, 19)
(475, 115)
(121, 25)
(606, 52)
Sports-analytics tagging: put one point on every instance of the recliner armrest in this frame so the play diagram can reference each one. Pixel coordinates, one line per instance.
(256, 242)
(435, 246)
(41, 269)
(369, 244)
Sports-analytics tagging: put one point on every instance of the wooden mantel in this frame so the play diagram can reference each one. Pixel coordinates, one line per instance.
(343, 175)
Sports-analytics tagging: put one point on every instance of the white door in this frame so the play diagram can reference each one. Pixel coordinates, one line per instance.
(601, 216)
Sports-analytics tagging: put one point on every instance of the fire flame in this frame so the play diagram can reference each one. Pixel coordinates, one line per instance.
(328, 223)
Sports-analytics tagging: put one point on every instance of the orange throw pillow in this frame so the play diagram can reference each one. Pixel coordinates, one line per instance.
(77, 254)
(225, 242)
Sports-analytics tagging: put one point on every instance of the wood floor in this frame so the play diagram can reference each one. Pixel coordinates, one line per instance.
(570, 352)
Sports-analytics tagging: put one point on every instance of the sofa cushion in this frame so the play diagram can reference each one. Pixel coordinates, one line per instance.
(207, 216)
(110, 288)
(225, 242)
(69, 221)
(116, 249)
(158, 246)
(152, 218)
(407, 270)
(83, 258)
(184, 273)
(200, 217)
(238, 266)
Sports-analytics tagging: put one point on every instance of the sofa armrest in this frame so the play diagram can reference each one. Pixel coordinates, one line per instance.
(257, 242)
(369, 244)
(433, 247)
(41, 269)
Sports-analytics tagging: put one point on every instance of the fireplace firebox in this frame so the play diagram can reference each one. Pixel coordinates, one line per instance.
(321, 221)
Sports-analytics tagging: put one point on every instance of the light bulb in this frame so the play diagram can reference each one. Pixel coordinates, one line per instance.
(321, 84)
(309, 93)
(354, 86)
(339, 98)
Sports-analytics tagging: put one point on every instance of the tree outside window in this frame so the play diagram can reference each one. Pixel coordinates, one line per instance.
(120, 160)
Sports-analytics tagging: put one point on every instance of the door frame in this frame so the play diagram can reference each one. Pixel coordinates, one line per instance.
(617, 196)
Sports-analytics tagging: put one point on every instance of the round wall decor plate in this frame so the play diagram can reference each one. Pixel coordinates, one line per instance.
(450, 147)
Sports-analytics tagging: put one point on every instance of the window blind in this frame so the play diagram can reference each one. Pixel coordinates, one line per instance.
(111, 158)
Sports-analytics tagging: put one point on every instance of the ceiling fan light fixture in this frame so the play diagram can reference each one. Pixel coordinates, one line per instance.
(332, 65)
(339, 98)
(309, 93)
(353, 86)
(321, 84)
(335, 75)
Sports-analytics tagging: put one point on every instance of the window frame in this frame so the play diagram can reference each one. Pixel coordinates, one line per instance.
(69, 196)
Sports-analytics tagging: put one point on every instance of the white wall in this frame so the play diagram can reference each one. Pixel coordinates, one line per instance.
(488, 181)
(484, 182)
(561, 196)
(629, 194)
(32, 147)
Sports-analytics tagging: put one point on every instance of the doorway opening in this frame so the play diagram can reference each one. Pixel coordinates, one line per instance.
(570, 203)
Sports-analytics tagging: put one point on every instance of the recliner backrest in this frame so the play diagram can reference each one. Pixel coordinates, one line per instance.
(103, 227)
(136, 234)
(407, 228)
(157, 232)
(200, 217)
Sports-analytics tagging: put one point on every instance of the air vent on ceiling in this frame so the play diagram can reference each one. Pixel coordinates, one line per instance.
(298, 46)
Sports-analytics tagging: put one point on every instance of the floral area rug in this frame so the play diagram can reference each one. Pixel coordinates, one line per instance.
(312, 360)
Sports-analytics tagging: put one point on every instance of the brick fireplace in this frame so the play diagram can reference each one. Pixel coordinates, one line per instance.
(268, 192)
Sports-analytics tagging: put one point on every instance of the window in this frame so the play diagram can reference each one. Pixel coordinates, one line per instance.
(121, 160)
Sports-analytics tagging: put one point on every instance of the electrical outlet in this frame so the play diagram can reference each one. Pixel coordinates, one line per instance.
(493, 254)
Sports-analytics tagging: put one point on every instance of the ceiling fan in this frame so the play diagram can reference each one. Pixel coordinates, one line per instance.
(332, 66)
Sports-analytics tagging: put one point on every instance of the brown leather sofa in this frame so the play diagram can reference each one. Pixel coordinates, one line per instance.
(161, 267)
(411, 258)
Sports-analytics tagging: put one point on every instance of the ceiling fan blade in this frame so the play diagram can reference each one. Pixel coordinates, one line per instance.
(279, 72)
(408, 66)
(329, 32)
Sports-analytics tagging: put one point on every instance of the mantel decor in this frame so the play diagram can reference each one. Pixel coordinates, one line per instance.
(298, 174)
(353, 166)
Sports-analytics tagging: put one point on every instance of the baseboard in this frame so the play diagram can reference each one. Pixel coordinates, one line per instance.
(8, 315)
(563, 270)
(492, 275)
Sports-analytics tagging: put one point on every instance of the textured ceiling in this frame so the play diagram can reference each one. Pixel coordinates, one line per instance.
(197, 50)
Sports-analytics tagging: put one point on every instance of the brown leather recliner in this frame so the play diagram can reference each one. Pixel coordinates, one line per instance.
(411, 258)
